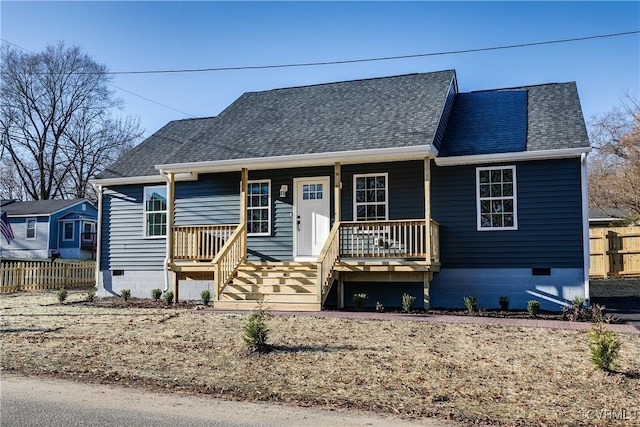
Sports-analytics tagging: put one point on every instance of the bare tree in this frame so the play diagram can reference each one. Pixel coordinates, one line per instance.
(55, 115)
(614, 176)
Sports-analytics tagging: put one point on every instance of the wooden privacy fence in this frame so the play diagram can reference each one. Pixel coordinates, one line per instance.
(614, 252)
(36, 275)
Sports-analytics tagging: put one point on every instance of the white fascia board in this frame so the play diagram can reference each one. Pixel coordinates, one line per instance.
(147, 179)
(303, 160)
(520, 156)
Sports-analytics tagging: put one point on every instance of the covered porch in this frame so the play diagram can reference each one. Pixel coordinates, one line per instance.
(380, 250)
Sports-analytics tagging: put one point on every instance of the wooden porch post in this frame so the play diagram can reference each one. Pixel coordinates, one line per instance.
(243, 207)
(427, 207)
(340, 290)
(337, 187)
(171, 187)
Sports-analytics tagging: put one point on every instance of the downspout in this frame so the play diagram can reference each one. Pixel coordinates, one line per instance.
(98, 189)
(167, 258)
(585, 225)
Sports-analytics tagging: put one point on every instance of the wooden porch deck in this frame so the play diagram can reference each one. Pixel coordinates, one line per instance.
(406, 250)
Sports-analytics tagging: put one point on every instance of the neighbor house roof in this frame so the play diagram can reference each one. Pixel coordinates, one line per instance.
(39, 207)
(382, 113)
(386, 112)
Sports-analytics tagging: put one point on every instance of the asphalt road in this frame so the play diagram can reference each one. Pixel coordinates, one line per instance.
(27, 402)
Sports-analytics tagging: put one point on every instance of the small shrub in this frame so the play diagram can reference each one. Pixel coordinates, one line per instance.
(471, 302)
(533, 307)
(503, 301)
(205, 296)
(168, 297)
(379, 307)
(578, 302)
(359, 300)
(255, 331)
(407, 302)
(91, 294)
(604, 346)
(62, 295)
(125, 294)
(156, 294)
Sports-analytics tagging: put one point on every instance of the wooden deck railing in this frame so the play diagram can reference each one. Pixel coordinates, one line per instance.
(327, 259)
(199, 242)
(388, 239)
(614, 252)
(231, 255)
(43, 275)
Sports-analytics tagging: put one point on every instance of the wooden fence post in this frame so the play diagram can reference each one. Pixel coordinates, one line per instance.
(605, 254)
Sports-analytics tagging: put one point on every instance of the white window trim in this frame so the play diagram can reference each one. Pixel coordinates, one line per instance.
(35, 229)
(145, 212)
(73, 231)
(386, 195)
(514, 198)
(249, 208)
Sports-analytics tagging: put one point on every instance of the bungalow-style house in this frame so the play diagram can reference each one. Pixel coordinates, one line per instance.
(46, 228)
(304, 196)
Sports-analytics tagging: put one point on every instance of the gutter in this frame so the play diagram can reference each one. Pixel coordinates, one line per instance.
(416, 152)
(517, 156)
(585, 226)
(98, 189)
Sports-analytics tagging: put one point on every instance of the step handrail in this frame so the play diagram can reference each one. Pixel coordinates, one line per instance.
(326, 261)
(231, 255)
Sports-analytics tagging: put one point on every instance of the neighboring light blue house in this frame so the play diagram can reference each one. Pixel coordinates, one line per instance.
(41, 228)
(305, 196)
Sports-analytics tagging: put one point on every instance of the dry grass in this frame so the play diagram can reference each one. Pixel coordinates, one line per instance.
(489, 375)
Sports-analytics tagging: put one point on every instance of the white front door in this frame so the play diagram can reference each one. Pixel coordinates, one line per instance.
(311, 216)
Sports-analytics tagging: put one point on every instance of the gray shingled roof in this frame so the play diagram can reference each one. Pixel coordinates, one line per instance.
(555, 117)
(398, 111)
(157, 149)
(354, 115)
(38, 207)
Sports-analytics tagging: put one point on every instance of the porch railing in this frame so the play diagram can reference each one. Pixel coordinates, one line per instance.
(230, 257)
(327, 259)
(388, 239)
(200, 242)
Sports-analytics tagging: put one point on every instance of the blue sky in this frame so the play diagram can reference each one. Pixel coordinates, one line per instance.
(128, 36)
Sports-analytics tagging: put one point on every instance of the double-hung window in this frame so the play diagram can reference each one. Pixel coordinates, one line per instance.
(67, 230)
(259, 208)
(371, 197)
(31, 228)
(496, 198)
(155, 211)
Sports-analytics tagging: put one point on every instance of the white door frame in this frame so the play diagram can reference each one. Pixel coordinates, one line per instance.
(324, 180)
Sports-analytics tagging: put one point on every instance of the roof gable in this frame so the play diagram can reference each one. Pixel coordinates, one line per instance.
(400, 111)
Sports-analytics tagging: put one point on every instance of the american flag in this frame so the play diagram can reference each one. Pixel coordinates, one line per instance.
(5, 228)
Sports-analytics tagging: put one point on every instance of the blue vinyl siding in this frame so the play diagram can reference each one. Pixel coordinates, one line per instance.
(549, 218)
(406, 188)
(213, 199)
(124, 246)
(279, 245)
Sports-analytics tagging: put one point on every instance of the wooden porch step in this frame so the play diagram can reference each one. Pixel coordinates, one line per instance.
(281, 284)
(276, 297)
(252, 305)
(292, 288)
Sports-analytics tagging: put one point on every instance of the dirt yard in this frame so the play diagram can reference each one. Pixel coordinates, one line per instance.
(474, 374)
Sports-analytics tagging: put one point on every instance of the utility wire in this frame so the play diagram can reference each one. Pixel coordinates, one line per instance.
(384, 58)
